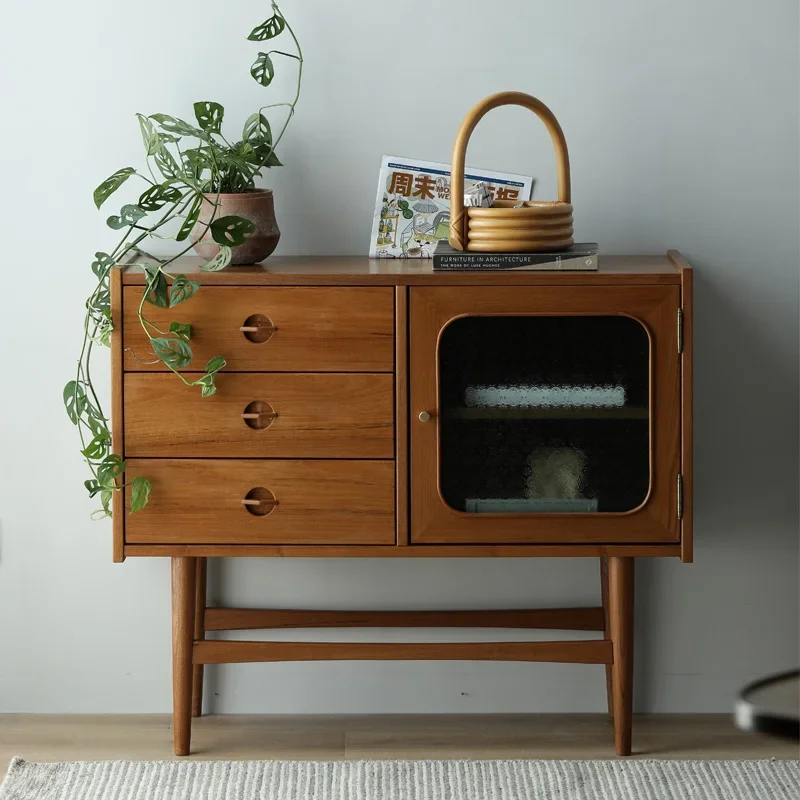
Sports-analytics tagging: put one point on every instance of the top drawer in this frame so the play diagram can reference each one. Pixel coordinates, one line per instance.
(286, 329)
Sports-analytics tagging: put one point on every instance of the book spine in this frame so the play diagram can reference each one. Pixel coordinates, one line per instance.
(477, 263)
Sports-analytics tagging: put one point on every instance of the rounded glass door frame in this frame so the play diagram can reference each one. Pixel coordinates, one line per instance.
(651, 396)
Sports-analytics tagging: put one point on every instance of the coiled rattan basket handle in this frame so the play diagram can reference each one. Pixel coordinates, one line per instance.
(458, 220)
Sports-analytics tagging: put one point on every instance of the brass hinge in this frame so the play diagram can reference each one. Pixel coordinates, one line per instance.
(680, 496)
(680, 330)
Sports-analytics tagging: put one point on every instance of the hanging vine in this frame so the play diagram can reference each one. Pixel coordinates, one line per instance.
(179, 179)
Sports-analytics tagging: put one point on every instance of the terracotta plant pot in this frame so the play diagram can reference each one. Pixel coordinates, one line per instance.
(258, 207)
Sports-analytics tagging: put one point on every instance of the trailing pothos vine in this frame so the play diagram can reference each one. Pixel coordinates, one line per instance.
(179, 180)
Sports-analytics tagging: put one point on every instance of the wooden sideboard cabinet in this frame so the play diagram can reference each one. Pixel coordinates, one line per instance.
(379, 408)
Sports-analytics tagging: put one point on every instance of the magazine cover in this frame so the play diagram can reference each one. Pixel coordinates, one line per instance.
(412, 207)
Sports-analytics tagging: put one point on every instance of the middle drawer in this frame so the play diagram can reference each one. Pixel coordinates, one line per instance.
(261, 415)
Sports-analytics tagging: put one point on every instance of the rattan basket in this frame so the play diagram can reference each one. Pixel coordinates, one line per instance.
(537, 226)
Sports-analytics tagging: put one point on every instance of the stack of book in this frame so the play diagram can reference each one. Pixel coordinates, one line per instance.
(582, 256)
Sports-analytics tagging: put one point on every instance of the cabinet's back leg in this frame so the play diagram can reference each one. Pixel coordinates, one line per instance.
(184, 580)
(199, 635)
(620, 606)
(606, 630)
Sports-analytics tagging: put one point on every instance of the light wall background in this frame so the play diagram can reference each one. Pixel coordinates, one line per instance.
(682, 122)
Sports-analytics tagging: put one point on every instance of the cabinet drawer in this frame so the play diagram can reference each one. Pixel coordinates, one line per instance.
(292, 502)
(262, 415)
(287, 329)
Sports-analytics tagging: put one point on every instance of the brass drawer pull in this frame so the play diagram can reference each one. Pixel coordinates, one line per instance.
(259, 415)
(258, 329)
(259, 502)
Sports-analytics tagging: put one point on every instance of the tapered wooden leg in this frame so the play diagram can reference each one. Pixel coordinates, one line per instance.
(606, 629)
(199, 635)
(184, 579)
(620, 607)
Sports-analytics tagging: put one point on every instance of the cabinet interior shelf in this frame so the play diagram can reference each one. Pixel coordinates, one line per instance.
(586, 412)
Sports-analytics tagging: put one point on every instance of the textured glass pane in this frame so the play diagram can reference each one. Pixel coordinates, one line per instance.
(544, 414)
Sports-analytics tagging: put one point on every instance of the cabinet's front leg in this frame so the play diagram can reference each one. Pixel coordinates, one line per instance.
(620, 607)
(606, 631)
(184, 579)
(199, 635)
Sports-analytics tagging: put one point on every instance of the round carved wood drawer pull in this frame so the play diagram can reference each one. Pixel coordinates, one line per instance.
(259, 415)
(258, 328)
(259, 502)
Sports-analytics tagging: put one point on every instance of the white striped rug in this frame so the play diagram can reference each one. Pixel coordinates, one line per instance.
(402, 780)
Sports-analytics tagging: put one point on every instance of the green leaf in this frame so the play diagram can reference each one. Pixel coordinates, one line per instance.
(74, 401)
(158, 196)
(165, 161)
(102, 262)
(182, 289)
(209, 116)
(207, 384)
(220, 260)
(263, 69)
(128, 215)
(105, 329)
(98, 447)
(157, 295)
(92, 486)
(102, 299)
(245, 150)
(256, 126)
(105, 500)
(232, 230)
(152, 144)
(266, 155)
(97, 425)
(407, 213)
(216, 364)
(183, 329)
(140, 493)
(191, 218)
(173, 352)
(111, 184)
(268, 30)
(195, 161)
(111, 467)
(179, 126)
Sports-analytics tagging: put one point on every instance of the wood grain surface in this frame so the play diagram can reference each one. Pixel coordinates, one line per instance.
(196, 501)
(319, 329)
(656, 520)
(117, 410)
(238, 652)
(565, 619)
(687, 399)
(319, 415)
(361, 271)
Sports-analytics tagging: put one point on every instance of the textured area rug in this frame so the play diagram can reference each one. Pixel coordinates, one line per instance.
(403, 780)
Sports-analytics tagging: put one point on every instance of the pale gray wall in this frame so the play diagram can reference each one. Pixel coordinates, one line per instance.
(682, 121)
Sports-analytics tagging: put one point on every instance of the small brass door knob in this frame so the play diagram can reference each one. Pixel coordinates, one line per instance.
(424, 416)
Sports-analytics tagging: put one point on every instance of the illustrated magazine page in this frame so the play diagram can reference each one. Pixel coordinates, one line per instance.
(412, 205)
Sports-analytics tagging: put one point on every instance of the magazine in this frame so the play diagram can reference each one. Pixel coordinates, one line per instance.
(412, 206)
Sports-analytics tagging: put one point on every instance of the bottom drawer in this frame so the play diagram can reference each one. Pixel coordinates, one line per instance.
(286, 502)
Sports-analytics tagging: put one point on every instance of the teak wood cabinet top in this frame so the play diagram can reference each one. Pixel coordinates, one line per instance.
(379, 408)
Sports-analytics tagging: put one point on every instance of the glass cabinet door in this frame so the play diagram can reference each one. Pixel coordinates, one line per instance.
(544, 414)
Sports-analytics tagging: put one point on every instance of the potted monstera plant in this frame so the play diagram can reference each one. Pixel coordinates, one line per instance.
(200, 191)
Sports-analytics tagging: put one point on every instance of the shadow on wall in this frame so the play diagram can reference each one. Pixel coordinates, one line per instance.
(744, 582)
(746, 413)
